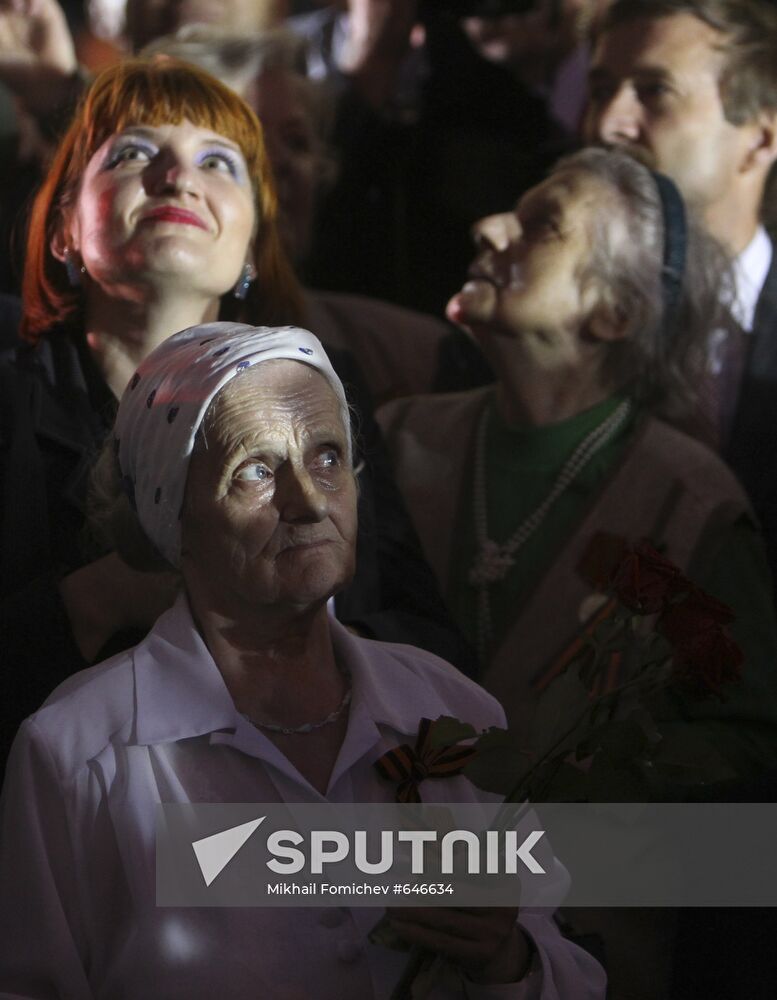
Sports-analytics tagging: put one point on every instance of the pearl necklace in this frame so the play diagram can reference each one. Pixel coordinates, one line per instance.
(493, 561)
(307, 727)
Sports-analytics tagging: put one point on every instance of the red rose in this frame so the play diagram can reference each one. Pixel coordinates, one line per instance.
(645, 581)
(706, 667)
(706, 657)
(696, 612)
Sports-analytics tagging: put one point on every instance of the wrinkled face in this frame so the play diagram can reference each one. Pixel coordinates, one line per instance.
(294, 152)
(654, 91)
(528, 281)
(270, 507)
(169, 204)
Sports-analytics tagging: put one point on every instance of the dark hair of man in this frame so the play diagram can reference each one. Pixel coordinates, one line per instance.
(748, 82)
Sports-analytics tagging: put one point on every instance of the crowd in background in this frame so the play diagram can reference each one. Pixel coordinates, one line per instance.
(534, 239)
(434, 120)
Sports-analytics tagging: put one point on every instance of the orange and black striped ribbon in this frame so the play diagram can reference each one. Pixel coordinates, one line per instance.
(410, 766)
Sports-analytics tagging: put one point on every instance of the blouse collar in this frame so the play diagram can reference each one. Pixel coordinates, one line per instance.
(180, 692)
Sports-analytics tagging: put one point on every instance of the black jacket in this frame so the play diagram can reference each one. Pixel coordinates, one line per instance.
(55, 411)
(752, 446)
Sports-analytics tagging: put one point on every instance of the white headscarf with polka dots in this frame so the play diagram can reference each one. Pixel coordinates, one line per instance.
(166, 401)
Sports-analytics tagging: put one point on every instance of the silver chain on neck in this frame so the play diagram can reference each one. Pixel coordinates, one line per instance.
(493, 561)
(307, 727)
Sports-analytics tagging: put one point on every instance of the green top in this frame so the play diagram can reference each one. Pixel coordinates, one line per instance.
(522, 465)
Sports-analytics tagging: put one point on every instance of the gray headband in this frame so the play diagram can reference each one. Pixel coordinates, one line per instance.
(167, 398)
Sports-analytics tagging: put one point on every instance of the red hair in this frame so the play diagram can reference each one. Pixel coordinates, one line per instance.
(153, 92)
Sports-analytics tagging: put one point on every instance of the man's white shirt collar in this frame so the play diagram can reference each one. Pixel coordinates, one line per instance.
(751, 267)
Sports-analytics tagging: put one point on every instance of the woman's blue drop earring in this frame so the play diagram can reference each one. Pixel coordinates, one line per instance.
(74, 270)
(247, 275)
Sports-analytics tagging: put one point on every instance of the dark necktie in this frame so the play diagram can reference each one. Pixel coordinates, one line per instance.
(727, 349)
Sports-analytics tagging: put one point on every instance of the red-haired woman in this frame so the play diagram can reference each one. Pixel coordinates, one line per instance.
(159, 213)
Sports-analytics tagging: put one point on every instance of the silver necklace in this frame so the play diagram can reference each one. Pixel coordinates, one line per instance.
(493, 561)
(307, 727)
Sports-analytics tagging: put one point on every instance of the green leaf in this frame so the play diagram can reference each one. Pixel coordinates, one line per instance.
(623, 740)
(588, 664)
(602, 710)
(608, 636)
(607, 781)
(557, 717)
(495, 737)
(685, 755)
(499, 767)
(588, 744)
(558, 781)
(447, 731)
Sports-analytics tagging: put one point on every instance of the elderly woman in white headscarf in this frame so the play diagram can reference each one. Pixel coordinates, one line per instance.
(232, 452)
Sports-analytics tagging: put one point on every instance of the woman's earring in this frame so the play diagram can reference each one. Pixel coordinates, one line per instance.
(74, 270)
(247, 275)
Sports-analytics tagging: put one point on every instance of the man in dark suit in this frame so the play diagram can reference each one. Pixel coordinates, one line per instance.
(691, 87)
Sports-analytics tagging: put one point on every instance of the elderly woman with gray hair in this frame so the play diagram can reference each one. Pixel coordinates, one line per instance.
(231, 457)
(592, 300)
